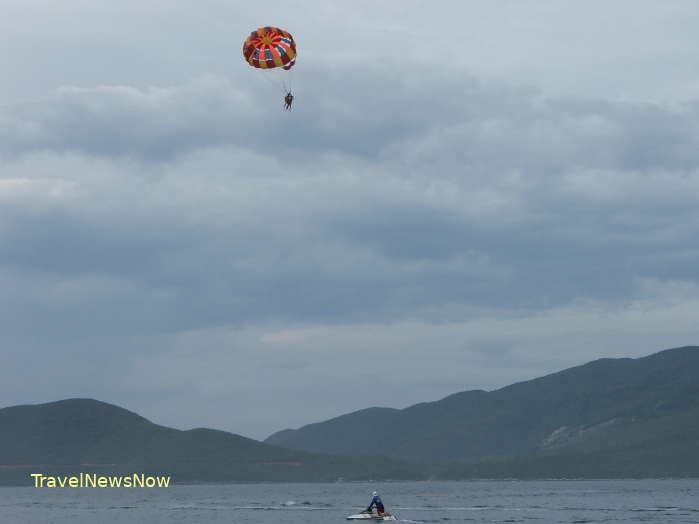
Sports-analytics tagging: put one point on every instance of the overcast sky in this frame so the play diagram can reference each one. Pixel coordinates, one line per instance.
(466, 194)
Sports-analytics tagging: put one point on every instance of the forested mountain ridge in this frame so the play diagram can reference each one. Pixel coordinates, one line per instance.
(607, 402)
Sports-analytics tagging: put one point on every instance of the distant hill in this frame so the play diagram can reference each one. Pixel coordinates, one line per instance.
(607, 418)
(610, 417)
(91, 436)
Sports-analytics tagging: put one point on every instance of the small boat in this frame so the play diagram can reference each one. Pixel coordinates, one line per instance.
(365, 515)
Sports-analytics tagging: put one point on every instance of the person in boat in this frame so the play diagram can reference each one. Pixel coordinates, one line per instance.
(288, 100)
(376, 502)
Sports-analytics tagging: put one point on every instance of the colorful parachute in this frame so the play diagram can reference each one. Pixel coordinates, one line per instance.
(270, 47)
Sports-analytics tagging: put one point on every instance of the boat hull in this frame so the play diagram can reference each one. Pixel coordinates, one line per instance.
(372, 516)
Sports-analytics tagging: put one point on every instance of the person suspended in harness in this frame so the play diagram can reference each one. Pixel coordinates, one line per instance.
(288, 100)
(376, 501)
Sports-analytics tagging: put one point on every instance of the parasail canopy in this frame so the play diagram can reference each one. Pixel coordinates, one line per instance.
(270, 47)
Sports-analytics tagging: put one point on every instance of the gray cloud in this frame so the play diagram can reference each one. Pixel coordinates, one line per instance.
(485, 206)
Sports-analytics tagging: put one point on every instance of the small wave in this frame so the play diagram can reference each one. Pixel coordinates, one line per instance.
(460, 508)
(192, 507)
(658, 508)
(303, 506)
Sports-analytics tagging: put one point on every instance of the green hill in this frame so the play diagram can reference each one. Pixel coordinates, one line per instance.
(610, 417)
(83, 435)
(607, 418)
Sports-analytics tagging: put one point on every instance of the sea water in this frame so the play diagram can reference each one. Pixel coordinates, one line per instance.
(554, 501)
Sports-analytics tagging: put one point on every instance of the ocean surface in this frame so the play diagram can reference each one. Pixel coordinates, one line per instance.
(628, 501)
